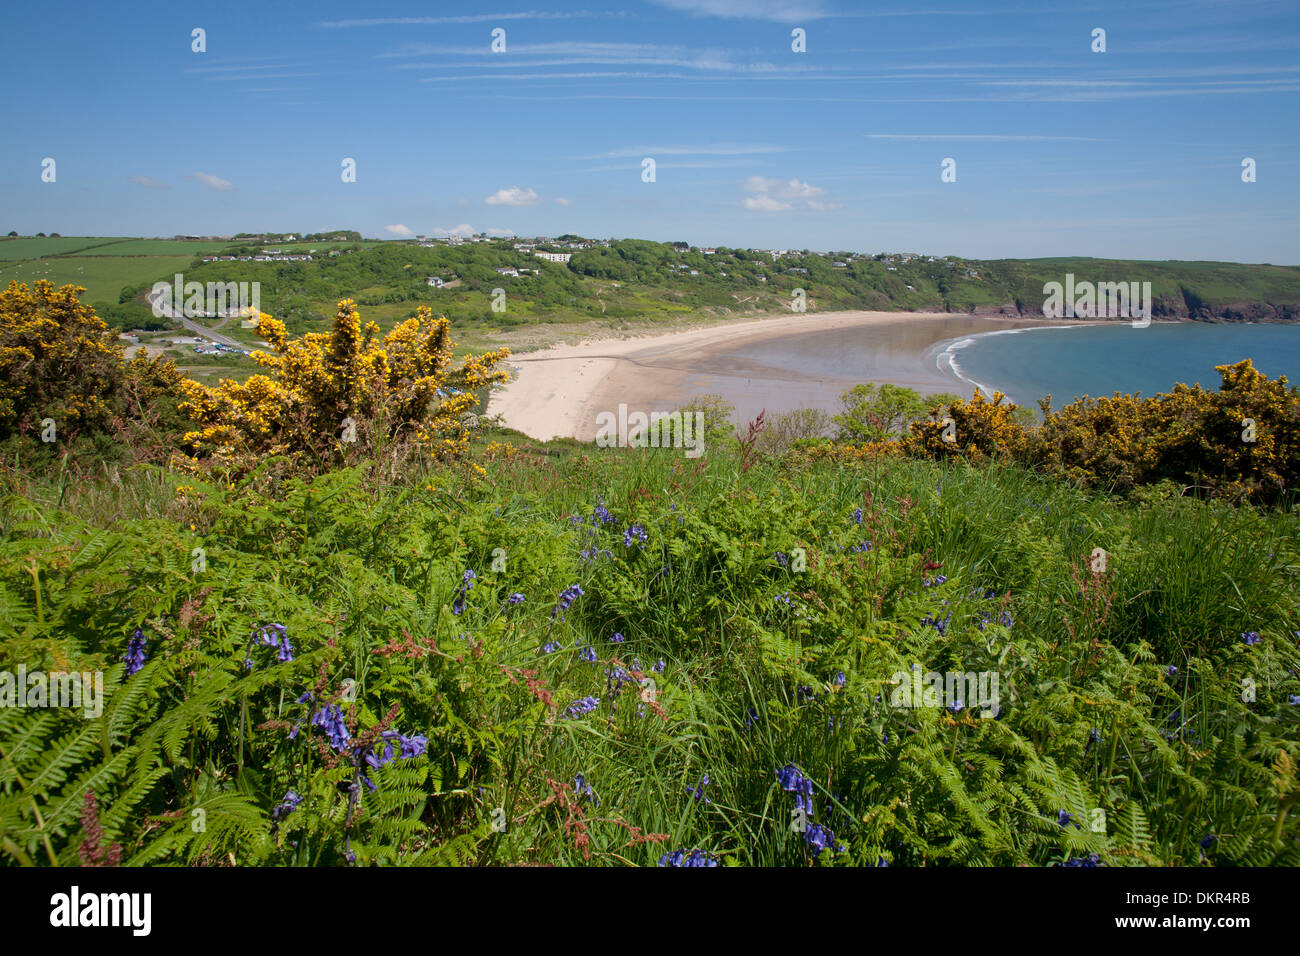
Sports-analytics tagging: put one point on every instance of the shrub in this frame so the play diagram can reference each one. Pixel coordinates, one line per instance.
(345, 387)
(57, 360)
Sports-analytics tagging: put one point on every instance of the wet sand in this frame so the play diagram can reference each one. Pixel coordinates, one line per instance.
(778, 364)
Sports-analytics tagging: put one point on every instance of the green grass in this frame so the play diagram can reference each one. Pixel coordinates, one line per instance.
(102, 276)
(352, 563)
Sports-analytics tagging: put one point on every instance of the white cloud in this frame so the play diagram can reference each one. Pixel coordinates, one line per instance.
(561, 201)
(782, 189)
(399, 230)
(500, 233)
(823, 206)
(514, 196)
(464, 229)
(764, 203)
(781, 11)
(150, 183)
(212, 182)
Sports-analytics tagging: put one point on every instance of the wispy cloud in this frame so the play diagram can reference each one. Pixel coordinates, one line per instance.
(513, 196)
(150, 183)
(715, 149)
(466, 18)
(212, 182)
(984, 137)
(561, 201)
(781, 11)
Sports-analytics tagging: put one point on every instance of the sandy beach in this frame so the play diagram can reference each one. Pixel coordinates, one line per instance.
(558, 391)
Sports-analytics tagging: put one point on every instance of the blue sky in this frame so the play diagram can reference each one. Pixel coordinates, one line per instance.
(1135, 152)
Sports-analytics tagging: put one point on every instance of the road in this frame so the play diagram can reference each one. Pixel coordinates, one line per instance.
(164, 307)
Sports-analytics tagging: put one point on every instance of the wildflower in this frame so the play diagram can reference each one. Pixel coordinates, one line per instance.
(863, 547)
(751, 719)
(1208, 841)
(515, 598)
(1171, 671)
(839, 679)
(467, 579)
(697, 792)
(582, 706)
(617, 638)
(1092, 859)
(286, 806)
(583, 789)
(679, 858)
(781, 558)
(659, 666)
(566, 599)
(956, 706)
(635, 532)
(1251, 638)
(135, 653)
(272, 635)
(1067, 818)
(804, 693)
(1294, 700)
(602, 514)
(330, 720)
(550, 647)
(588, 654)
(857, 515)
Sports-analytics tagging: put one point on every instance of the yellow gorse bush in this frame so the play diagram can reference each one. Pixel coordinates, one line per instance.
(58, 360)
(327, 392)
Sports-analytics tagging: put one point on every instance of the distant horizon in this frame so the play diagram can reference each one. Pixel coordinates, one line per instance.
(696, 245)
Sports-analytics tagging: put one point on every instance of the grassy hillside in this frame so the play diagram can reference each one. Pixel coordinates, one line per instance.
(726, 636)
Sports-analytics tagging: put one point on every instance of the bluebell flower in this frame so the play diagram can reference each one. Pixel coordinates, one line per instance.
(515, 598)
(330, 719)
(617, 638)
(1066, 818)
(839, 679)
(697, 792)
(1171, 671)
(566, 599)
(1294, 700)
(582, 706)
(637, 533)
(694, 858)
(659, 666)
(135, 653)
(863, 546)
(1251, 638)
(286, 806)
(550, 647)
(1092, 859)
(468, 578)
(602, 513)
(583, 790)
(587, 654)
(857, 515)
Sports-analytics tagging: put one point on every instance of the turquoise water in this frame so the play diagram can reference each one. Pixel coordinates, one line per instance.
(1098, 360)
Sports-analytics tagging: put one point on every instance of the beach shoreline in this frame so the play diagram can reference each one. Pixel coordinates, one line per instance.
(558, 391)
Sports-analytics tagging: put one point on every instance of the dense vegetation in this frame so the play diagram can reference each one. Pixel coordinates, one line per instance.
(560, 654)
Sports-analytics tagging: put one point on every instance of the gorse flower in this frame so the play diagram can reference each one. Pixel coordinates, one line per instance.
(135, 653)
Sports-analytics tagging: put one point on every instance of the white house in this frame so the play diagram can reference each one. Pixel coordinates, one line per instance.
(554, 256)
(435, 281)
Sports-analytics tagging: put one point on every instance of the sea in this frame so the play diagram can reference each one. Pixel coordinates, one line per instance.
(1071, 361)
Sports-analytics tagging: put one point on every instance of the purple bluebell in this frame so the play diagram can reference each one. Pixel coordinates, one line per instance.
(582, 706)
(617, 638)
(694, 858)
(697, 792)
(330, 719)
(587, 654)
(515, 598)
(857, 515)
(1251, 638)
(135, 653)
(286, 806)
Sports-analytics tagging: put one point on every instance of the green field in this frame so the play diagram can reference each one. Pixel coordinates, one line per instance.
(102, 276)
